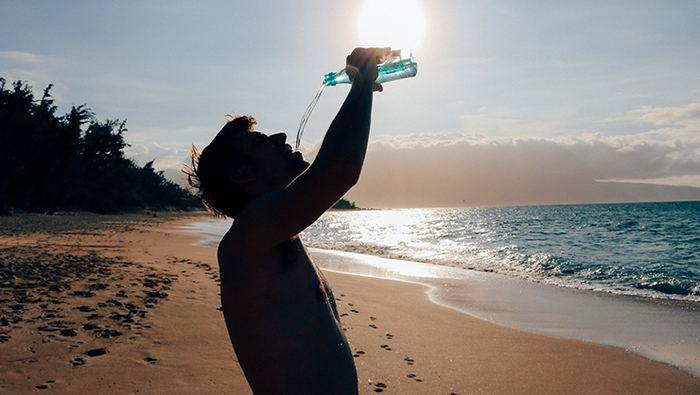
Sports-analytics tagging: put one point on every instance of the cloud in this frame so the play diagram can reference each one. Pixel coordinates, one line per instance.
(20, 57)
(170, 158)
(458, 168)
(483, 122)
(445, 169)
(660, 116)
(442, 170)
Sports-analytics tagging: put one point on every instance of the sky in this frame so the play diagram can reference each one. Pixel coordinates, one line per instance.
(515, 102)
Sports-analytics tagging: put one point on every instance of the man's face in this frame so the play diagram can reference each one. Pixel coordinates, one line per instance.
(277, 163)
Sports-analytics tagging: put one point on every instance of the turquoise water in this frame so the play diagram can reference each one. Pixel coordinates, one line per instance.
(647, 249)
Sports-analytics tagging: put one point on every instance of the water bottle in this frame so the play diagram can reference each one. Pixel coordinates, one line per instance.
(393, 69)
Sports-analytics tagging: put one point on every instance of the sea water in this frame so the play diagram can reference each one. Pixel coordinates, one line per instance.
(648, 249)
(645, 249)
(499, 264)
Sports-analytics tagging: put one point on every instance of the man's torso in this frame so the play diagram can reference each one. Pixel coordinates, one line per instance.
(282, 319)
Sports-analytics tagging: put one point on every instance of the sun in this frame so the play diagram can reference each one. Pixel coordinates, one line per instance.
(391, 23)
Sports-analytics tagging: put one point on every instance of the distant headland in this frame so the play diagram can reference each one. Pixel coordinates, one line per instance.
(344, 204)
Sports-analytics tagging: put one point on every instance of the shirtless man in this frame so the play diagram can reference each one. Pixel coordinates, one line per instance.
(279, 310)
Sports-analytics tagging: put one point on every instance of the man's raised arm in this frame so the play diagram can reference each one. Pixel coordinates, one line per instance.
(281, 214)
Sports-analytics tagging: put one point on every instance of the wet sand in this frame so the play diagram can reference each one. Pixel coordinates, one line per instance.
(126, 308)
(657, 329)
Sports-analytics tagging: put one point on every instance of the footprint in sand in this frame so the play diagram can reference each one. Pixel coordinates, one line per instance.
(409, 361)
(354, 311)
(77, 361)
(372, 326)
(386, 347)
(414, 377)
(96, 352)
(68, 332)
(151, 360)
(107, 333)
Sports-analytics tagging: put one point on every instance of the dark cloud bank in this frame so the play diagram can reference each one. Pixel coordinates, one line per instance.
(454, 169)
(451, 171)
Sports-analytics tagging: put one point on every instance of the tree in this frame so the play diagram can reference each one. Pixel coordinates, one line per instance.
(344, 204)
(51, 163)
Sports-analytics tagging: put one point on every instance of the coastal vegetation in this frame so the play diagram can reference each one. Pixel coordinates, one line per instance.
(72, 162)
(344, 204)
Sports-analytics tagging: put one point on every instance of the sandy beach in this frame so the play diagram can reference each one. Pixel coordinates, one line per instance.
(131, 306)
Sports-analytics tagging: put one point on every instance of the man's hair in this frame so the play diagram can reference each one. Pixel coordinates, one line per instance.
(209, 172)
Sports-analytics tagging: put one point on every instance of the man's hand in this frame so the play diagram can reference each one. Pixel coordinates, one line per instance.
(361, 64)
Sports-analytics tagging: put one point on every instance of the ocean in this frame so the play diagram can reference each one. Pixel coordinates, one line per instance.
(643, 249)
(557, 270)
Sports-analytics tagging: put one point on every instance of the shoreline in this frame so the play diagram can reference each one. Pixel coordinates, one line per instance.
(212, 230)
(403, 342)
(685, 301)
(661, 330)
(551, 310)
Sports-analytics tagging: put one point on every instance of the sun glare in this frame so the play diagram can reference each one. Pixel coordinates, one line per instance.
(391, 23)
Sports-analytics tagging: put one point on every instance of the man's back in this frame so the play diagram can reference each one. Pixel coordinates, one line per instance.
(282, 321)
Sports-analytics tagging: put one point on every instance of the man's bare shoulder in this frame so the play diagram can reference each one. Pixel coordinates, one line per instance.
(245, 238)
(233, 244)
(233, 254)
(237, 243)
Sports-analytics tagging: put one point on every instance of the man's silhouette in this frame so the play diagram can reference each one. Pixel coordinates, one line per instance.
(279, 310)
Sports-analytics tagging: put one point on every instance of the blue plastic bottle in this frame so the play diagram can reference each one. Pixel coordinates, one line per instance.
(393, 69)
(390, 70)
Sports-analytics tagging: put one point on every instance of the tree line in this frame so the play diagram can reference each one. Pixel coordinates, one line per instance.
(344, 204)
(72, 161)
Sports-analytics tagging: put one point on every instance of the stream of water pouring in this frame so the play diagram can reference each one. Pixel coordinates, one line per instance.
(391, 69)
(307, 115)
